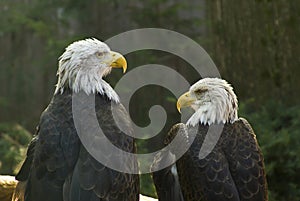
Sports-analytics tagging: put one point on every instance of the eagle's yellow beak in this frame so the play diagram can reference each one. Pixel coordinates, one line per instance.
(118, 61)
(185, 100)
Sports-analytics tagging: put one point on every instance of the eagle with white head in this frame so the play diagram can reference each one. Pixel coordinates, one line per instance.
(213, 100)
(58, 167)
(233, 169)
(83, 65)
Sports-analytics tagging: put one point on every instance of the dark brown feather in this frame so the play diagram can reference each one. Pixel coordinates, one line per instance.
(58, 167)
(232, 171)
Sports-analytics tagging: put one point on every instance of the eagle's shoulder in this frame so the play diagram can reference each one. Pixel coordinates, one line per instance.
(243, 127)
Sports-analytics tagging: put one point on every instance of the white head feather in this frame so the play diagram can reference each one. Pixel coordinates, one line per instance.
(215, 102)
(82, 67)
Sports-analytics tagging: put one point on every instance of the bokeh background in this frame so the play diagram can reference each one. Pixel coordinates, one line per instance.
(254, 43)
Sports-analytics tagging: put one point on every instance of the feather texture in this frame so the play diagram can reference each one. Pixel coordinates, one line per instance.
(232, 171)
(58, 167)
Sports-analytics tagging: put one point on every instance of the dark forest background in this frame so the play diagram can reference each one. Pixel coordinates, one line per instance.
(254, 43)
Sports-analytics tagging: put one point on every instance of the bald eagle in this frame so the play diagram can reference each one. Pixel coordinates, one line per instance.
(58, 167)
(219, 165)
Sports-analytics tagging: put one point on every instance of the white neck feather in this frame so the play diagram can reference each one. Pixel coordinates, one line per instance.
(90, 83)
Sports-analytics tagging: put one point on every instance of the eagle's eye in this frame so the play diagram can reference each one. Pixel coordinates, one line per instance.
(100, 54)
(200, 91)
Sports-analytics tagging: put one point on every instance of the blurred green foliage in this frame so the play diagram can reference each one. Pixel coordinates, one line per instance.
(13, 144)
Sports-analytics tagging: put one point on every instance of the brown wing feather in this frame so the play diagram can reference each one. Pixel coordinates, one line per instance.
(233, 170)
(246, 162)
(58, 167)
(208, 178)
(91, 179)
